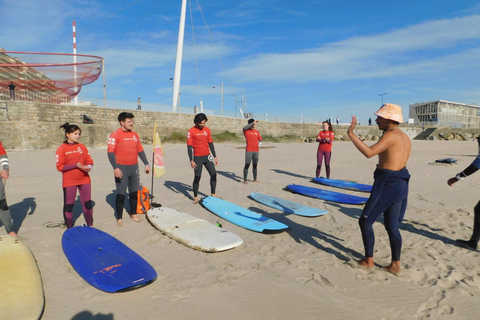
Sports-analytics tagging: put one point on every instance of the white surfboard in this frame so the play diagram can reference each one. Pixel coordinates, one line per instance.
(192, 232)
(21, 292)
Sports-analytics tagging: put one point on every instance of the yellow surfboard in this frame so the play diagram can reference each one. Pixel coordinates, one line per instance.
(21, 292)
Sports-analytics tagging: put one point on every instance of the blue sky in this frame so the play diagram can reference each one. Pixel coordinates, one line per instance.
(317, 59)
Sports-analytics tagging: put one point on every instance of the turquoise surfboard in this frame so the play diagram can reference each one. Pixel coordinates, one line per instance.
(241, 216)
(105, 262)
(326, 195)
(344, 184)
(287, 206)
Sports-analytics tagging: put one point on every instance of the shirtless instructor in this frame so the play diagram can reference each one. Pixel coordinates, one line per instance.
(390, 188)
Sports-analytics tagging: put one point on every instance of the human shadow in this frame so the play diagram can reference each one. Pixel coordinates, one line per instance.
(87, 315)
(110, 199)
(291, 174)
(230, 175)
(20, 211)
(316, 238)
(406, 225)
(180, 187)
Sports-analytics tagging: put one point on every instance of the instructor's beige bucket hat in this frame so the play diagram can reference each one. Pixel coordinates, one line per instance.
(390, 111)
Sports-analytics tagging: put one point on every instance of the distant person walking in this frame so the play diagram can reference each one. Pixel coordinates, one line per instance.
(11, 86)
(74, 162)
(325, 139)
(139, 104)
(124, 149)
(390, 188)
(5, 215)
(199, 146)
(472, 243)
(370, 121)
(253, 140)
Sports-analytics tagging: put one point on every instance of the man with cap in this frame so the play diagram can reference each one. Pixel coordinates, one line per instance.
(253, 140)
(390, 188)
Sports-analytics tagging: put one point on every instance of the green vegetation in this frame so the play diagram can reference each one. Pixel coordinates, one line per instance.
(226, 136)
(176, 137)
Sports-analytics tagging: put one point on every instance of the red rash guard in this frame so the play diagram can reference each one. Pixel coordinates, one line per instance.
(252, 138)
(69, 154)
(199, 140)
(325, 145)
(125, 145)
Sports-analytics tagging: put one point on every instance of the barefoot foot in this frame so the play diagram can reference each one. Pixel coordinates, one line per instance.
(134, 218)
(120, 223)
(366, 262)
(195, 200)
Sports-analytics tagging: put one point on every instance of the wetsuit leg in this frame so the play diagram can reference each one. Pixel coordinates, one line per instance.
(255, 158)
(133, 185)
(327, 155)
(119, 200)
(5, 215)
(85, 191)
(210, 166)
(390, 204)
(197, 174)
(69, 194)
(319, 163)
(391, 225)
(476, 225)
(248, 160)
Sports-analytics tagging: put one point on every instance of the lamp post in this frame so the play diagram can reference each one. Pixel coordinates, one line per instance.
(382, 94)
(221, 109)
(235, 105)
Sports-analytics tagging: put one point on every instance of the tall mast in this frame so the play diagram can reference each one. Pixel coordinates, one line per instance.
(178, 61)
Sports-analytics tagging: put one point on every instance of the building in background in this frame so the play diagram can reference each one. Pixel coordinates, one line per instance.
(445, 113)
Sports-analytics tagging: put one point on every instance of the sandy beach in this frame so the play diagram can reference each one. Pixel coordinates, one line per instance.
(303, 273)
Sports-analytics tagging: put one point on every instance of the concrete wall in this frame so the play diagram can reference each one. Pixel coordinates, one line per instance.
(30, 126)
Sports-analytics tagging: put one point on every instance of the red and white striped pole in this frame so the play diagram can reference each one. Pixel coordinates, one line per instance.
(75, 63)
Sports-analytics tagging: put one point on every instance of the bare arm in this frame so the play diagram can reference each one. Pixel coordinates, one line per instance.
(367, 151)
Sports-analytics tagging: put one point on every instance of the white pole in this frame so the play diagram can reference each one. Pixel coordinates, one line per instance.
(104, 85)
(75, 100)
(178, 62)
(222, 99)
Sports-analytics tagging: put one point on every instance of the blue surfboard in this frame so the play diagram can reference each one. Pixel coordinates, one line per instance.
(326, 195)
(287, 206)
(344, 184)
(105, 262)
(241, 216)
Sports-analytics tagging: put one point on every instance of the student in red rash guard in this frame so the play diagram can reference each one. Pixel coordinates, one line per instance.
(199, 145)
(124, 149)
(74, 161)
(324, 139)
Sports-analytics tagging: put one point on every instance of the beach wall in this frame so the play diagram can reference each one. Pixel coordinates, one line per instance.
(33, 126)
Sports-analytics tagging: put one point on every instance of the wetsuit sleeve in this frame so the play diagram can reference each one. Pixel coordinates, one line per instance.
(143, 157)
(69, 167)
(248, 126)
(332, 137)
(113, 161)
(190, 152)
(472, 168)
(3, 158)
(212, 148)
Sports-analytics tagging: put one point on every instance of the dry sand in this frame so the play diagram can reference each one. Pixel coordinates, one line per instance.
(304, 273)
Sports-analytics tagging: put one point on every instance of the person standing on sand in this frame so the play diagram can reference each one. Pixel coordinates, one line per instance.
(74, 162)
(253, 140)
(472, 168)
(5, 215)
(199, 145)
(124, 148)
(325, 139)
(390, 188)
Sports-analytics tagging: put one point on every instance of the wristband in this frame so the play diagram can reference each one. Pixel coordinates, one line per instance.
(459, 177)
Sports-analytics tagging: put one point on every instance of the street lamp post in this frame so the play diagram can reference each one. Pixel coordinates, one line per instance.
(235, 105)
(382, 94)
(221, 108)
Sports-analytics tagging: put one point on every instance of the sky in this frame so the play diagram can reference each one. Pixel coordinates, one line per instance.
(310, 60)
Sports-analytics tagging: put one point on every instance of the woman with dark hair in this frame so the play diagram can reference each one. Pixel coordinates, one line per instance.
(324, 139)
(199, 145)
(74, 161)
